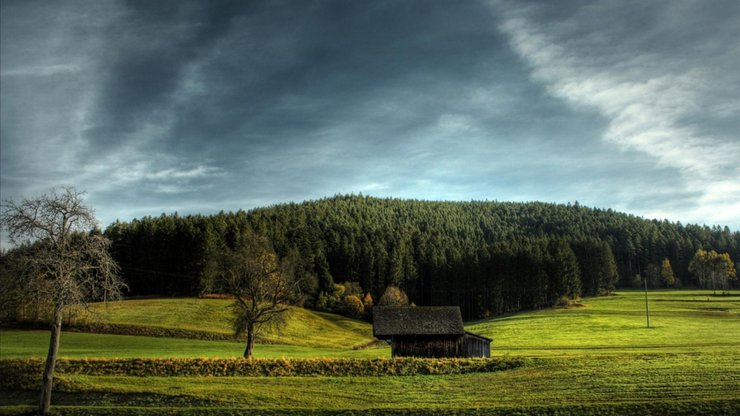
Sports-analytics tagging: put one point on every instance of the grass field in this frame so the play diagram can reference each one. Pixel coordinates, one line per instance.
(680, 321)
(303, 327)
(30, 344)
(595, 359)
(306, 334)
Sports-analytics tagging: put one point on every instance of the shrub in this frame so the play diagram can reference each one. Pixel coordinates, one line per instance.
(367, 303)
(563, 301)
(216, 296)
(352, 288)
(393, 296)
(322, 302)
(332, 302)
(345, 299)
(353, 307)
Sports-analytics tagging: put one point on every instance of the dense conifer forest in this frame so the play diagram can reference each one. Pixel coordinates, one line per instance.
(488, 257)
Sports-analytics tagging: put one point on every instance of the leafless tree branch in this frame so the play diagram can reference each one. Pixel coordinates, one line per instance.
(59, 260)
(261, 285)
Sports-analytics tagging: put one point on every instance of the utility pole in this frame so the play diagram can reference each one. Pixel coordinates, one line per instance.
(647, 310)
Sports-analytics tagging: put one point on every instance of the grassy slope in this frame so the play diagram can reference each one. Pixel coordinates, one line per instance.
(303, 327)
(29, 344)
(597, 355)
(306, 334)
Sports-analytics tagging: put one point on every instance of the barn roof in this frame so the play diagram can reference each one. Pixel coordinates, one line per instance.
(478, 336)
(419, 320)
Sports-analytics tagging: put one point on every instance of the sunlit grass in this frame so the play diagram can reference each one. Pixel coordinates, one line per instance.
(302, 326)
(635, 383)
(30, 344)
(679, 321)
(555, 382)
(594, 359)
(305, 333)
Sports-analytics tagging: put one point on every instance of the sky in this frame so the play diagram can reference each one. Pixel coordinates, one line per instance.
(200, 106)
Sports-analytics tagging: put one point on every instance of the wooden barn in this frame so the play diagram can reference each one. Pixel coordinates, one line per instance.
(427, 331)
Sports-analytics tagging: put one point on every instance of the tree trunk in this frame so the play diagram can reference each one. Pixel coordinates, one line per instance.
(250, 342)
(51, 360)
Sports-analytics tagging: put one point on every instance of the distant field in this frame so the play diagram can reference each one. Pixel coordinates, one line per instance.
(594, 359)
(680, 321)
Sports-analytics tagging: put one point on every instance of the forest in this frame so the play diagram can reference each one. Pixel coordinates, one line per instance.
(488, 257)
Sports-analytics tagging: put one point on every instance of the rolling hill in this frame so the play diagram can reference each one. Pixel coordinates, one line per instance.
(302, 327)
(488, 257)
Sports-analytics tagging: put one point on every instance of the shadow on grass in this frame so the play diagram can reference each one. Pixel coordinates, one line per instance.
(103, 399)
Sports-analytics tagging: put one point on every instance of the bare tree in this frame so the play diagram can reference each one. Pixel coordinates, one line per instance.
(262, 286)
(65, 261)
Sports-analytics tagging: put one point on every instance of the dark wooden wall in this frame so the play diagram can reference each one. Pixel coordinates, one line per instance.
(440, 346)
(427, 346)
(476, 346)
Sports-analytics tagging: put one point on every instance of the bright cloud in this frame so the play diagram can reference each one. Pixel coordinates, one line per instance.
(652, 104)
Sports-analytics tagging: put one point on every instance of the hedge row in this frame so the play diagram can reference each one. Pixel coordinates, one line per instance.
(10, 369)
(123, 329)
(149, 331)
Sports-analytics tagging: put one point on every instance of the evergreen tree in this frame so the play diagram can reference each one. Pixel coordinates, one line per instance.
(487, 257)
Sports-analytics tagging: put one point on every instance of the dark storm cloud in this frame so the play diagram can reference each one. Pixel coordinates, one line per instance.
(147, 48)
(195, 106)
(287, 81)
(292, 99)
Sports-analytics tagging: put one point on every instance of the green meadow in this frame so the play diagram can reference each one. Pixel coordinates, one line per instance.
(302, 327)
(598, 358)
(680, 321)
(34, 344)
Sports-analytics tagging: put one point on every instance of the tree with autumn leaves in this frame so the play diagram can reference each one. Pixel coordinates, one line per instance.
(713, 270)
(666, 273)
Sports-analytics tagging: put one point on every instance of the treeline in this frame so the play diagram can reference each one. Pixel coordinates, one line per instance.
(487, 257)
